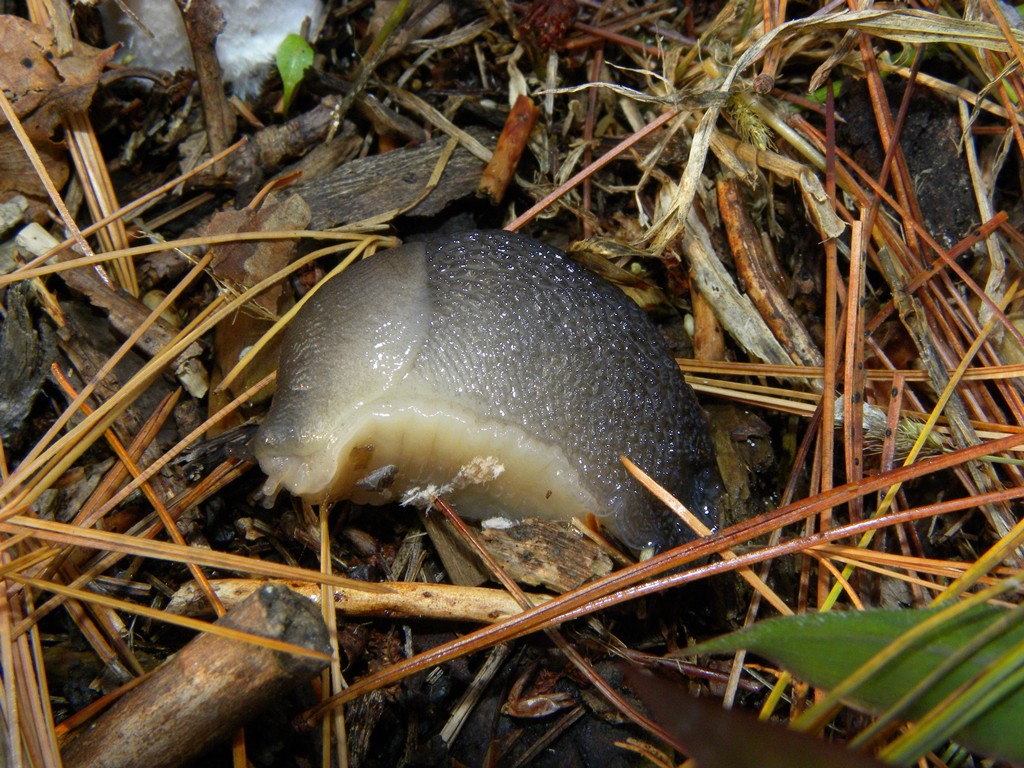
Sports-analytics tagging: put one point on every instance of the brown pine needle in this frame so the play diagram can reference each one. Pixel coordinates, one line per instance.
(700, 529)
(168, 618)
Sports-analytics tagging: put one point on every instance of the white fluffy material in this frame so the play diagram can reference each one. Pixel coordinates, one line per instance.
(480, 470)
(253, 30)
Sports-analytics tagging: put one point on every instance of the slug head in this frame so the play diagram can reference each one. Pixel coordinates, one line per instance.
(354, 339)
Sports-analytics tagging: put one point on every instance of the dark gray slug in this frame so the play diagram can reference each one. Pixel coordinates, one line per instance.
(491, 369)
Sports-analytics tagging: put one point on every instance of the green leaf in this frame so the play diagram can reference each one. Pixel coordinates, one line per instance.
(294, 57)
(825, 648)
(721, 738)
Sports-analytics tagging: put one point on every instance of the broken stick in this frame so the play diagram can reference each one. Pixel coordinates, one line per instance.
(208, 690)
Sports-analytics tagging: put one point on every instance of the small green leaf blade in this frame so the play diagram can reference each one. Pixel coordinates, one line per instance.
(825, 648)
(294, 57)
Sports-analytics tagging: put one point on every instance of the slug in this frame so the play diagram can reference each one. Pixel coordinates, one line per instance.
(491, 369)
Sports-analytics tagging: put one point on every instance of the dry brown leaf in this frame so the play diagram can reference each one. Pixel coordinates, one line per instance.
(43, 87)
(239, 266)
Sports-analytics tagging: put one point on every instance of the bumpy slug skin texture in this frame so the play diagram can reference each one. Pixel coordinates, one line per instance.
(493, 370)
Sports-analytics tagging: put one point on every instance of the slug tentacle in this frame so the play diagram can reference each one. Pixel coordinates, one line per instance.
(440, 362)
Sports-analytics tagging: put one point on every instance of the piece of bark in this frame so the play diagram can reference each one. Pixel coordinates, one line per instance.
(271, 147)
(461, 563)
(734, 308)
(532, 551)
(372, 186)
(12, 213)
(545, 553)
(203, 23)
(511, 143)
(25, 357)
(388, 122)
(88, 342)
(708, 338)
(127, 313)
(207, 690)
(752, 267)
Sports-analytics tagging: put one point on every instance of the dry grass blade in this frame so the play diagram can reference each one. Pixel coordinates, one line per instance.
(60, 533)
(100, 194)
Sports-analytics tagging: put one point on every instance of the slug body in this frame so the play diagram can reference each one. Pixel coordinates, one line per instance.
(491, 369)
